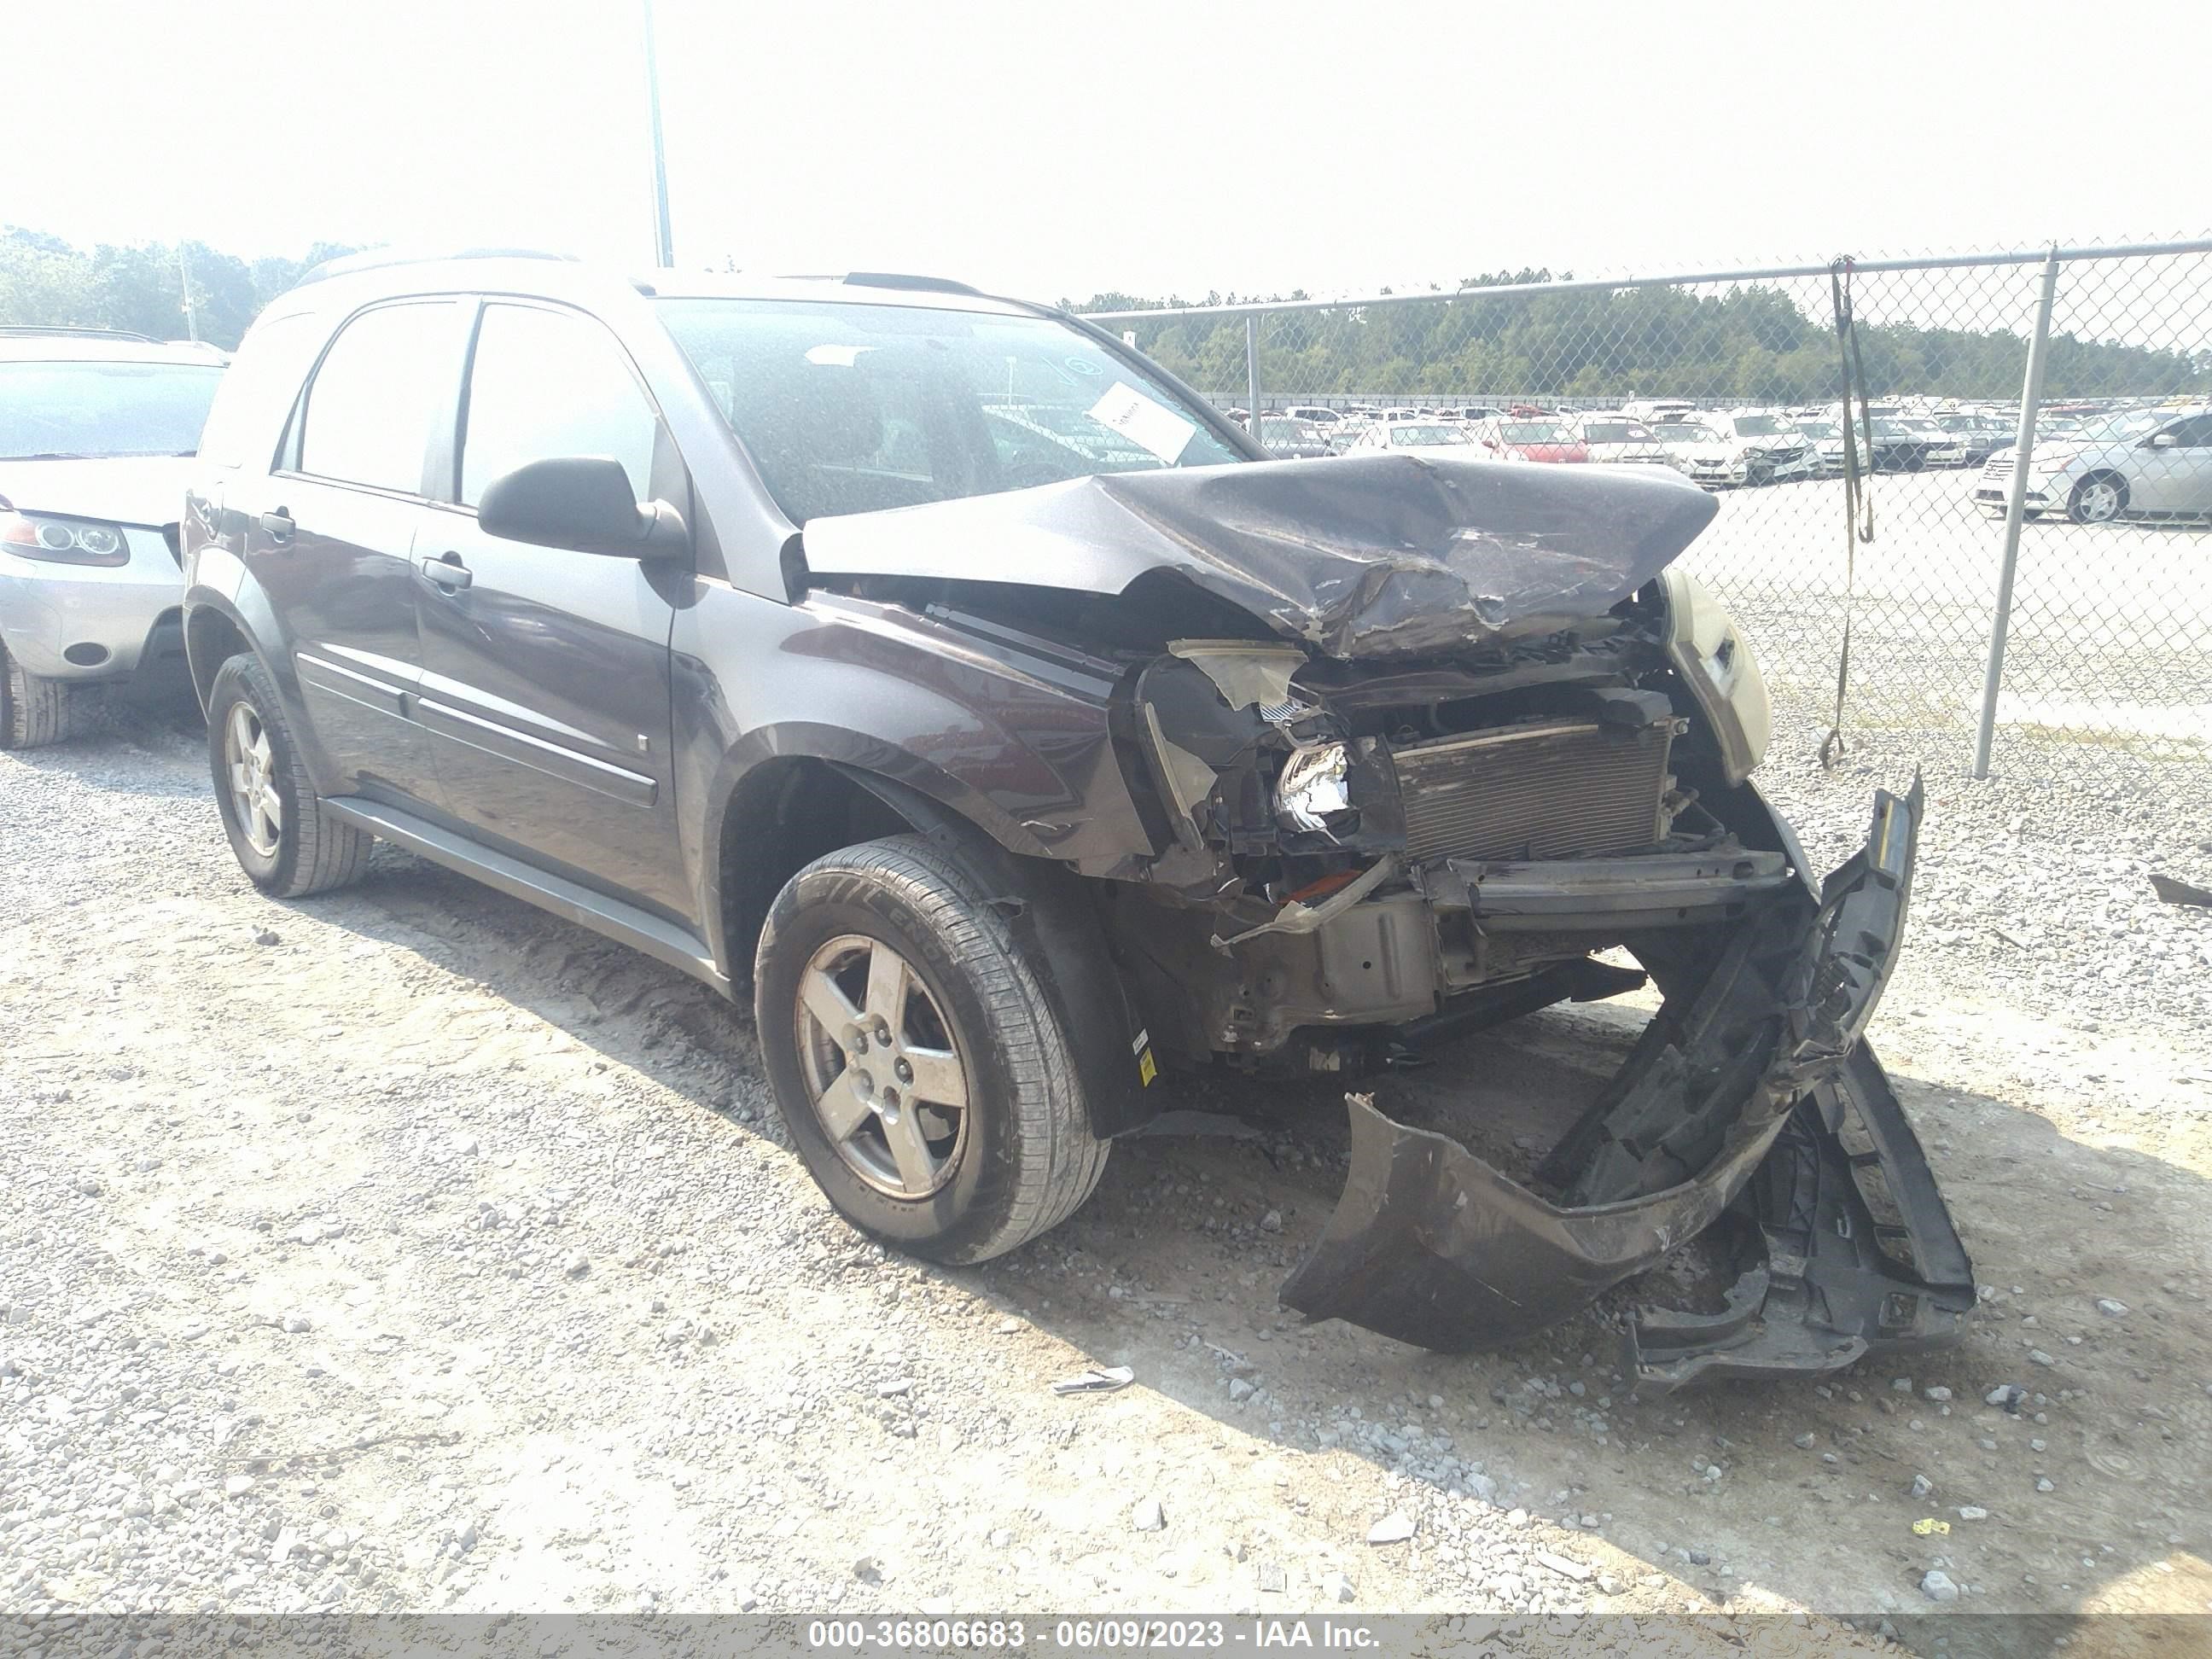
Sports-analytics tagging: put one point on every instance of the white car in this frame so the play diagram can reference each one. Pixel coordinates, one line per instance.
(1827, 439)
(1416, 434)
(96, 430)
(1670, 412)
(1702, 453)
(1619, 440)
(1766, 447)
(1945, 447)
(2155, 461)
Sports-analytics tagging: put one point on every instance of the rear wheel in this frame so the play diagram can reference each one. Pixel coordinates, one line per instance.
(922, 1069)
(33, 711)
(2098, 499)
(284, 839)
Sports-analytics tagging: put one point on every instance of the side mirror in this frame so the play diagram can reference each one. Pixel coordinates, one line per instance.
(2164, 439)
(583, 503)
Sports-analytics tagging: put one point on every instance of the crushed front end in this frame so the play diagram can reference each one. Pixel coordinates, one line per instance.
(1371, 859)
(1416, 747)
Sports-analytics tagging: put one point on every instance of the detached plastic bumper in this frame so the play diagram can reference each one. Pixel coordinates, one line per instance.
(1749, 1104)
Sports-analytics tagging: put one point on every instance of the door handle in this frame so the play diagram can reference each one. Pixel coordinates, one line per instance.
(447, 571)
(278, 528)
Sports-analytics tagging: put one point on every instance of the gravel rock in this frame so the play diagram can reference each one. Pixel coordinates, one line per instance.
(1936, 1586)
(1148, 1515)
(1335, 1587)
(2110, 1308)
(1395, 1527)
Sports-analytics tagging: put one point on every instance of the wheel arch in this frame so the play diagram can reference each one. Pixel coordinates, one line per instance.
(785, 812)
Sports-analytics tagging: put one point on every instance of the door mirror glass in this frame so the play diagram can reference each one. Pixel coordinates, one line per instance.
(581, 502)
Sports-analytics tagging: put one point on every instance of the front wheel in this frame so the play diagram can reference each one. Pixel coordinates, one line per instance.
(284, 840)
(2098, 499)
(918, 1062)
(33, 711)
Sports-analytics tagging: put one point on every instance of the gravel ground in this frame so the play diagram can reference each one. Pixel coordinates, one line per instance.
(409, 1249)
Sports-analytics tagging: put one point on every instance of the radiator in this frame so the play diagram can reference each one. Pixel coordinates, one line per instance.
(1563, 789)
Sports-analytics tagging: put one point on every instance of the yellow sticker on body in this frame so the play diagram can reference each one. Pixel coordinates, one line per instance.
(1145, 1069)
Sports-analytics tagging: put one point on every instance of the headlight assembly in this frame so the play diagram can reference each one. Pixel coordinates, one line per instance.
(1315, 787)
(1716, 662)
(62, 541)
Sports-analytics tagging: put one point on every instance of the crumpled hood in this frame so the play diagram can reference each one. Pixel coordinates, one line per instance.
(139, 490)
(1363, 556)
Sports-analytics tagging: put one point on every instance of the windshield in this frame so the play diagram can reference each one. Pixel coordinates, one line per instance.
(1616, 432)
(99, 408)
(1537, 432)
(1682, 432)
(856, 408)
(2128, 423)
(1756, 426)
(1420, 437)
(1817, 428)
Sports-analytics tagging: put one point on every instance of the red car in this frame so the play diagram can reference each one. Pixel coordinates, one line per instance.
(1530, 441)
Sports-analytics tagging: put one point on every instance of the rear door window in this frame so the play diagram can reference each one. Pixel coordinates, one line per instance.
(386, 382)
(545, 384)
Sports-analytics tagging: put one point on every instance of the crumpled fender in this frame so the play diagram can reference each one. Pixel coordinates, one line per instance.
(1433, 1246)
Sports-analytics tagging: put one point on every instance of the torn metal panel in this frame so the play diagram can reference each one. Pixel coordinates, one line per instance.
(1368, 555)
(1433, 1246)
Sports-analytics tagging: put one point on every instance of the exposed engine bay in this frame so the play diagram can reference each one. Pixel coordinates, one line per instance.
(1414, 753)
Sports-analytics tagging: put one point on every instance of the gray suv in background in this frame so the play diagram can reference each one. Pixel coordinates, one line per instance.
(96, 433)
(957, 687)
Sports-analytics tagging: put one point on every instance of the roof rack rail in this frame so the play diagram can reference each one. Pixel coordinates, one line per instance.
(383, 258)
(71, 332)
(917, 284)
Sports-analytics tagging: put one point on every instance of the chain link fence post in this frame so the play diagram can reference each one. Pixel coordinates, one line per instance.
(1252, 375)
(2030, 398)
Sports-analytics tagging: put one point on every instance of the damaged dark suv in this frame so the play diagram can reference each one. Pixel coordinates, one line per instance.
(960, 684)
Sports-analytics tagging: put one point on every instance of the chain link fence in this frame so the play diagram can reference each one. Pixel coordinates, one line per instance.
(2095, 586)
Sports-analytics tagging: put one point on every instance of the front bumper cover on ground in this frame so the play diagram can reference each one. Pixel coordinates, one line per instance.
(1748, 1105)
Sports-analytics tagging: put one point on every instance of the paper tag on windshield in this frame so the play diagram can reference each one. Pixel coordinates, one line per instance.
(1149, 425)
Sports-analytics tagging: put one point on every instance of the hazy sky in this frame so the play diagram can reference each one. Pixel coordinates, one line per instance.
(1055, 150)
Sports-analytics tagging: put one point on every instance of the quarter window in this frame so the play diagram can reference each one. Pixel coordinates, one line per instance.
(375, 399)
(547, 384)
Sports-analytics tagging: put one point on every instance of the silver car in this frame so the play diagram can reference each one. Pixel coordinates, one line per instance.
(2139, 461)
(96, 430)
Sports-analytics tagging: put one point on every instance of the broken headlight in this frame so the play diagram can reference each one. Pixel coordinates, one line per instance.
(1716, 662)
(1315, 792)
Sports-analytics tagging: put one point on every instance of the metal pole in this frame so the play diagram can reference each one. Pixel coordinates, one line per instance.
(185, 283)
(1252, 375)
(2030, 395)
(664, 252)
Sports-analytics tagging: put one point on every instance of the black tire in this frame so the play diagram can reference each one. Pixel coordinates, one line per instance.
(2088, 502)
(35, 711)
(310, 852)
(1024, 1158)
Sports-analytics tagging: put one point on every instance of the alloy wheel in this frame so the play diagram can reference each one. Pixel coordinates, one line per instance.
(2097, 502)
(253, 797)
(883, 1067)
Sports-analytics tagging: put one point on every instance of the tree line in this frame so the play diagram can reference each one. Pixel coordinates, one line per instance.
(143, 287)
(1752, 342)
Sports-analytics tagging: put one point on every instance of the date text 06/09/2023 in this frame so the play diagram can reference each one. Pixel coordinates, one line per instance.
(1083, 1635)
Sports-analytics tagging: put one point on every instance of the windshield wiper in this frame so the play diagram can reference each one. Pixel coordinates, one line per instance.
(51, 455)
